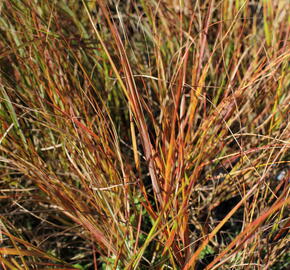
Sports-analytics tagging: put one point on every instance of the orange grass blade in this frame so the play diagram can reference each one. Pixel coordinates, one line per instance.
(250, 229)
(194, 257)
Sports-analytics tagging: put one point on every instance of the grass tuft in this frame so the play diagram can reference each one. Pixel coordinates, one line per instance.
(144, 134)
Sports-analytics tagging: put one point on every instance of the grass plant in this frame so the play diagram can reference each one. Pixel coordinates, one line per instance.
(144, 134)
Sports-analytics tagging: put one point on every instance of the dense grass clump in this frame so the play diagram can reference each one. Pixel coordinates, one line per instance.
(144, 134)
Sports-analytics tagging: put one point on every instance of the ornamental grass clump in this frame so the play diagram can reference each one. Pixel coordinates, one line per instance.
(144, 134)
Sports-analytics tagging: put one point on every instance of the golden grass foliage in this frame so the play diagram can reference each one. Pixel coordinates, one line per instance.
(144, 134)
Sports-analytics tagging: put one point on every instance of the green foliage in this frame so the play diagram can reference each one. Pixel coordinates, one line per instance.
(144, 134)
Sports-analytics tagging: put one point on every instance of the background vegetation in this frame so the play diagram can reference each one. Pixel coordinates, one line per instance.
(144, 134)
